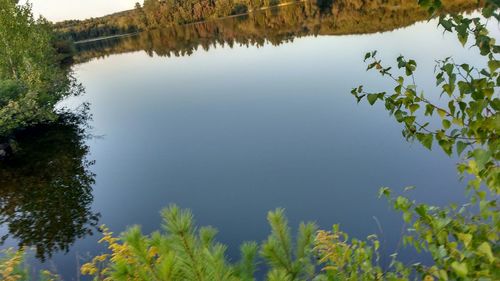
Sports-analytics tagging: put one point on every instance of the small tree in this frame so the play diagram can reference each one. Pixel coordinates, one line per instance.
(31, 79)
(183, 252)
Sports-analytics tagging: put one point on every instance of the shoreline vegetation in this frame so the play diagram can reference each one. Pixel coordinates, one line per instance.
(34, 72)
(198, 22)
(212, 11)
(270, 26)
(155, 14)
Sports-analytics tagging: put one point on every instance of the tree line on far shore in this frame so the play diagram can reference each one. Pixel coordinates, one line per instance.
(165, 13)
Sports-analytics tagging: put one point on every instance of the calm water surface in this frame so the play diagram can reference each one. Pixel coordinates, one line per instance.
(232, 131)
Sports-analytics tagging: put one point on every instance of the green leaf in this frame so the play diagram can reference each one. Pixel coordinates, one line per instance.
(460, 268)
(421, 210)
(407, 217)
(401, 80)
(372, 98)
(461, 146)
(449, 88)
(485, 72)
(441, 113)
(447, 24)
(482, 157)
(426, 140)
(488, 11)
(458, 122)
(384, 191)
(462, 32)
(408, 70)
(429, 110)
(466, 238)
(446, 145)
(409, 120)
(414, 107)
(448, 68)
(443, 275)
(446, 124)
(399, 116)
(465, 67)
(439, 81)
(493, 65)
(485, 249)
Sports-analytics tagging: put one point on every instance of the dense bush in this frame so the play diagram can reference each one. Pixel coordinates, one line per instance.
(32, 80)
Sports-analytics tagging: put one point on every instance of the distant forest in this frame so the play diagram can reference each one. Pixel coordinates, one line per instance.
(360, 15)
(275, 26)
(161, 13)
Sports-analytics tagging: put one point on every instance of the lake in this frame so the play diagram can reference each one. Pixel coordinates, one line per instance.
(231, 119)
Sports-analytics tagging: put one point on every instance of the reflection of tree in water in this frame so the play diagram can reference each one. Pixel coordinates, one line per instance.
(46, 188)
(276, 27)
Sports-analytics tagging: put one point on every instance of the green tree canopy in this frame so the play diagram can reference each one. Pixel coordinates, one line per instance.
(31, 79)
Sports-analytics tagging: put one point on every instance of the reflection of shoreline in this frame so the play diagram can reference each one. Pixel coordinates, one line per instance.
(46, 187)
(276, 26)
(249, 12)
(193, 23)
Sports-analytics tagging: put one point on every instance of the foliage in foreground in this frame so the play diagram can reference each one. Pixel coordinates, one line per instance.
(183, 252)
(12, 268)
(463, 240)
